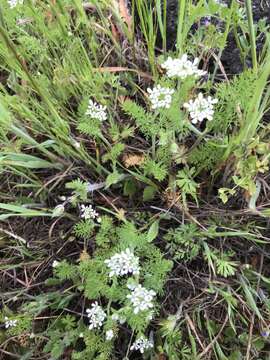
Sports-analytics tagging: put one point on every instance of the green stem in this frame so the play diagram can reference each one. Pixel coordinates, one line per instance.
(196, 131)
(180, 28)
(242, 54)
(226, 33)
(153, 146)
(252, 34)
(165, 26)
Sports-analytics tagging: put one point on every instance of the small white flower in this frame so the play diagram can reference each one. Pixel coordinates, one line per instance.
(201, 108)
(160, 97)
(119, 318)
(115, 317)
(10, 323)
(109, 335)
(222, 3)
(142, 344)
(182, 67)
(141, 299)
(96, 111)
(81, 335)
(76, 144)
(55, 263)
(87, 212)
(96, 316)
(14, 3)
(149, 317)
(123, 263)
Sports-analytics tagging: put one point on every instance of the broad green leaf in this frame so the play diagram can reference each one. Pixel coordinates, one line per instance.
(26, 161)
(17, 210)
(153, 231)
(149, 193)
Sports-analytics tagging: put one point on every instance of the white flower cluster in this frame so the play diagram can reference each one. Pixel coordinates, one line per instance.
(117, 317)
(182, 67)
(87, 212)
(10, 323)
(201, 108)
(96, 111)
(142, 344)
(14, 3)
(123, 263)
(222, 3)
(96, 316)
(160, 97)
(141, 298)
(109, 335)
(55, 263)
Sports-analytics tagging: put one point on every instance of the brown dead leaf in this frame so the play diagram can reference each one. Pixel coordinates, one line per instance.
(121, 214)
(255, 261)
(84, 256)
(124, 12)
(133, 159)
(123, 98)
(24, 340)
(115, 32)
(171, 197)
(162, 357)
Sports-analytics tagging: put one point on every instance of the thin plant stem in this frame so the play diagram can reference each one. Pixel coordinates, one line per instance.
(180, 27)
(252, 34)
(226, 33)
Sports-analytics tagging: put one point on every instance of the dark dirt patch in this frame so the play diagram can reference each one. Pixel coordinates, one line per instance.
(231, 55)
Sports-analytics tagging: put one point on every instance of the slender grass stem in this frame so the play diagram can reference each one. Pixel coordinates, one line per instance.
(252, 34)
(226, 33)
(165, 26)
(181, 24)
(162, 21)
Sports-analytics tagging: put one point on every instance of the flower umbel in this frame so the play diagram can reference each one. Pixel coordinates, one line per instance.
(96, 316)
(141, 298)
(142, 344)
(109, 335)
(120, 318)
(87, 212)
(96, 111)
(201, 108)
(123, 263)
(55, 263)
(182, 67)
(10, 323)
(14, 3)
(160, 97)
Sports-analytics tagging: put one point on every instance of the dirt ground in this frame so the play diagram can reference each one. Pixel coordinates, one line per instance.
(231, 55)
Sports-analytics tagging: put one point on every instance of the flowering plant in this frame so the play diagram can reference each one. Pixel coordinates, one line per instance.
(128, 295)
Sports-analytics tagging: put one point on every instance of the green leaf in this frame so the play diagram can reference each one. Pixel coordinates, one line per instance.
(223, 194)
(58, 210)
(130, 188)
(236, 355)
(153, 231)
(149, 193)
(17, 210)
(113, 178)
(26, 161)
(250, 299)
(259, 344)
